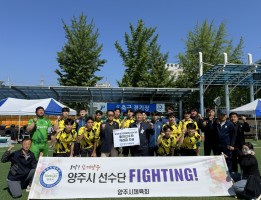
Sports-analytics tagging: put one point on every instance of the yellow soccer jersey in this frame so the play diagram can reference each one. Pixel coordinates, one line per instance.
(118, 121)
(64, 141)
(88, 139)
(96, 127)
(183, 125)
(190, 142)
(61, 124)
(176, 132)
(166, 144)
(126, 123)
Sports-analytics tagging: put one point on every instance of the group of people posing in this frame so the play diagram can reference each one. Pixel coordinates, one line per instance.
(93, 137)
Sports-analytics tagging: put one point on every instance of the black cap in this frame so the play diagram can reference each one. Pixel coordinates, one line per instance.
(221, 112)
(38, 108)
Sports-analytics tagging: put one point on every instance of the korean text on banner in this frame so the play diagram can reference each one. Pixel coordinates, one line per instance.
(65, 178)
(126, 137)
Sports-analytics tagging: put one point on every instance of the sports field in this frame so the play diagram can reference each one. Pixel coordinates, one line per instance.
(4, 168)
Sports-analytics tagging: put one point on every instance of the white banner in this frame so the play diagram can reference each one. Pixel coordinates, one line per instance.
(126, 137)
(65, 178)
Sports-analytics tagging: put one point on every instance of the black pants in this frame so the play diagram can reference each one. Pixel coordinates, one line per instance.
(141, 152)
(208, 147)
(234, 161)
(153, 151)
(86, 152)
(125, 151)
(188, 152)
(98, 151)
(76, 149)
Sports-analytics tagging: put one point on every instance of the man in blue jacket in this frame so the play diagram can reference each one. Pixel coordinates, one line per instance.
(145, 130)
(153, 148)
(226, 137)
(23, 164)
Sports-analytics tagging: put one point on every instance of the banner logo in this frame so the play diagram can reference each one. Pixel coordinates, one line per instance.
(50, 177)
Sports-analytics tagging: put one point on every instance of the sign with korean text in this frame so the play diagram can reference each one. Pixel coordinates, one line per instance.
(126, 137)
(78, 177)
(137, 106)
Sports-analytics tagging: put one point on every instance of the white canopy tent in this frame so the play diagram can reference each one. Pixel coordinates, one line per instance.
(21, 107)
(252, 108)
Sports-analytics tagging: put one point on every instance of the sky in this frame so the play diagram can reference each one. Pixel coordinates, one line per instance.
(31, 31)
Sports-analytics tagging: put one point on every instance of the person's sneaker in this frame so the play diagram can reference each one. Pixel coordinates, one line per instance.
(28, 188)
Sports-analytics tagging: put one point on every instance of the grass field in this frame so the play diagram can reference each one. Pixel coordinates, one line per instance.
(4, 168)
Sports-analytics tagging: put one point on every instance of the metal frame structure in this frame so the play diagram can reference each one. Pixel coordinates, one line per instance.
(90, 95)
(229, 75)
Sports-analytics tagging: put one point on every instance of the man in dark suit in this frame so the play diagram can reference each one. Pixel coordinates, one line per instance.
(106, 134)
(226, 137)
(240, 129)
(145, 130)
(210, 138)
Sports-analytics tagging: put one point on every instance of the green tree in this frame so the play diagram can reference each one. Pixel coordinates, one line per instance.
(212, 42)
(80, 56)
(145, 64)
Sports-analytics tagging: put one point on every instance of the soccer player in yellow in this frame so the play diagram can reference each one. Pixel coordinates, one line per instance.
(86, 136)
(98, 119)
(59, 123)
(166, 142)
(129, 119)
(117, 117)
(97, 127)
(188, 141)
(126, 124)
(65, 140)
(172, 122)
(183, 123)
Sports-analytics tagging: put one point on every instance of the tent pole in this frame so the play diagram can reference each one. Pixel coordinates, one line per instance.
(256, 129)
(19, 128)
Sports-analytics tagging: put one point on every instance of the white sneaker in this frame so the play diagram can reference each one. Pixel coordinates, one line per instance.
(28, 188)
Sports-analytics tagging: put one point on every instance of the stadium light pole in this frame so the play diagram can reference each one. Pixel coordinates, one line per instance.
(250, 62)
(201, 84)
(226, 87)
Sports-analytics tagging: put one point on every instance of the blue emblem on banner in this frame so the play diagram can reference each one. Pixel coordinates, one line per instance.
(50, 176)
